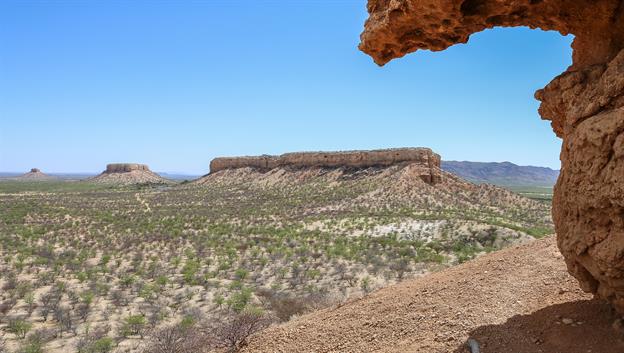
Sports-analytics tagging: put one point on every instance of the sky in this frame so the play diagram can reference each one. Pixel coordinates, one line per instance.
(175, 84)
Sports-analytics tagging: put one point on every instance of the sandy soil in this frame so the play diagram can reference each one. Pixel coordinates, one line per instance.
(519, 299)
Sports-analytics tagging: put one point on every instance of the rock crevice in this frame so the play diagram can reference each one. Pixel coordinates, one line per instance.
(584, 104)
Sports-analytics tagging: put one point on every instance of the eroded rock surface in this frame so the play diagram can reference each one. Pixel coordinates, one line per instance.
(585, 106)
(125, 167)
(424, 157)
(128, 174)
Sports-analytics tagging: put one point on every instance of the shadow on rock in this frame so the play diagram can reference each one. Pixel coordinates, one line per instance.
(575, 327)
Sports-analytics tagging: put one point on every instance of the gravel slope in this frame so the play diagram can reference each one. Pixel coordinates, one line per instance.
(520, 299)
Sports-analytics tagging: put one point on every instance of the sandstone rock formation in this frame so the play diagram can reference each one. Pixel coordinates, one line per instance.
(128, 174)
(125, 167)
(424, 157)
(585, 105)
(35, 174)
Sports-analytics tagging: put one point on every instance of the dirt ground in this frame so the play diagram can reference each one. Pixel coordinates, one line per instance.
(518, 300)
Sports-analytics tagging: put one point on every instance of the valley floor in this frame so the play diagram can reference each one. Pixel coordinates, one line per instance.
(85, 265)
(519, 299)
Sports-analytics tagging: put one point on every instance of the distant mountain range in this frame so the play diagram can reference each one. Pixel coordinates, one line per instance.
(502, 174)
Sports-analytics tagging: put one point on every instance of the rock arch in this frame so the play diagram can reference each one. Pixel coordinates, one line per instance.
(585, 105)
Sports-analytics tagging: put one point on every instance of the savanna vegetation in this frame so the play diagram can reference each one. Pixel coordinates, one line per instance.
(185, 268)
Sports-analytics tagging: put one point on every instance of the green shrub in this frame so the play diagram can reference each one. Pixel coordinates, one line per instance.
(239, 300)
(133, 325)
(19, 327)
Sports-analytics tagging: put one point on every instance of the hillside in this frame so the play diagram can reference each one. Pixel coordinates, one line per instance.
(520, 299)
(396, 196)
(503, 174)
(128, 174)
(34, 175)
(286, 240)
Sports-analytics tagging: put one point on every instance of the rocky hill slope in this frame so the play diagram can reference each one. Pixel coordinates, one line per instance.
(424, 157)
(502, 174)
(286, 240)
(35, 174)
(520, 299)
(433, 201)
(128, 174)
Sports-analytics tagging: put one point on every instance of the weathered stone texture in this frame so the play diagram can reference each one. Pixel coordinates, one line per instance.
(125, 167)
(585, 106)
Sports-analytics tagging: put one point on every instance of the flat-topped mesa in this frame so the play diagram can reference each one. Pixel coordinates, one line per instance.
(128, 174)
(125, 167)
(344, 159)
(35, 174)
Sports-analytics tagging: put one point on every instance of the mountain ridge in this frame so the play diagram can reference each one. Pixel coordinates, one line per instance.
(502, 173)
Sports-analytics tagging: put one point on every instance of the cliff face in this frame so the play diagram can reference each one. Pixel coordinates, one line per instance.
(424, 157)
(128, 174)
(125, 167)
(585, 106)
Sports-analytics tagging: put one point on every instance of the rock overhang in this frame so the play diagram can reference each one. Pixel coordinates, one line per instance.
(585, 105)
(398, 27)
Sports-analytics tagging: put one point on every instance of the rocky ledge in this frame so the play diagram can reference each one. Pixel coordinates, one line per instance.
(424, 157)
(128, 174)
(125, 167)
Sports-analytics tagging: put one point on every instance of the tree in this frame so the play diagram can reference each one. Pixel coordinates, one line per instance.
(83, 311)
(63, 316)
(133, 325)
(96, 341)
(175, 339)
(49, 302)
(19, 327)
(234, 334)
(365, 284)
(30, 303)
(238, 301)
(93, 345)
(219, 300)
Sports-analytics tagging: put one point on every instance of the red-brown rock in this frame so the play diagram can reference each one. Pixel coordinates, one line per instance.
(585, 106)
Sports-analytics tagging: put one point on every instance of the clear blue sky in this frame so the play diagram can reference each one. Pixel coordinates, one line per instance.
(174, 84)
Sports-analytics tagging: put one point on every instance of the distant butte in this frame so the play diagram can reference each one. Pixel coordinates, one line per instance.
(35, 174)
(128, 174)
